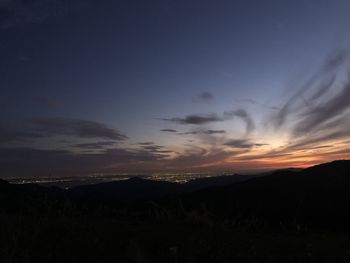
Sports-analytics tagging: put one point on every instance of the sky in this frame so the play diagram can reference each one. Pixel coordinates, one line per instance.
(103, 87)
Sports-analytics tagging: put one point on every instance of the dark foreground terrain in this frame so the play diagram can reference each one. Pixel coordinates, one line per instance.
(287, 216)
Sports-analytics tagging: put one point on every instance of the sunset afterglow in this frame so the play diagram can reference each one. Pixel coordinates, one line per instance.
(170, 86)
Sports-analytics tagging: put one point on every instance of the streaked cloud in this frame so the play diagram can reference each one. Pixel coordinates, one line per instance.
(200, 119)
(95, 145)
(41, 128)
(11, 135)
(196, 119)
(333, 108)
(169, 130)
(214, 131)
(208, 132)
(243, 143)
(200, 158)
(318, 83)
(75, 127)
(146, 143)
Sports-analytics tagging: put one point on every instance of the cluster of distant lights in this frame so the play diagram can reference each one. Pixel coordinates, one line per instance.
(61, 180)
(98, 178)
(179, 177)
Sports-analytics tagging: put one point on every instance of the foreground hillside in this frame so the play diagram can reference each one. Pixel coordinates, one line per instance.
(287, 216)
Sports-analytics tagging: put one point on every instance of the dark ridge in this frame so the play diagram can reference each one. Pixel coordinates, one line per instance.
(135, 188)
(3, 183)
(335, 168)
(318, 197)
(286, 210)
(202, 183)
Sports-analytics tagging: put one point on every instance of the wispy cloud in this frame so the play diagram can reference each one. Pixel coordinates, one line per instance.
(208, 132)
(188, 133)
(152, 147)
(243, 143)
(197, 158)
(95, 145)
(333, 108)
(146, 143)
(169, 130)
(255, 102)
(319, 83)
(41, 128)
(196, 119)
(244, 115)
(214, 131)
(74, 127)
(205, 97)
(314, 118)
(200, 119)
(249, 101)
(12, 135)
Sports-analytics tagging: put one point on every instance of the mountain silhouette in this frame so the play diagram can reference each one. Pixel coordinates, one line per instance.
(316, 196)
(283, 216)
(135, 188)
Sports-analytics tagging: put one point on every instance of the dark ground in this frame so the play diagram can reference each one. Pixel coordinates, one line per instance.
(287, 216)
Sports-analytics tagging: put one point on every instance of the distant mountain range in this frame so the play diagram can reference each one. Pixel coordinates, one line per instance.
(137, 188)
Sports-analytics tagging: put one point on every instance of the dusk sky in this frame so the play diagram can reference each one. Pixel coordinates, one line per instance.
(108, 87)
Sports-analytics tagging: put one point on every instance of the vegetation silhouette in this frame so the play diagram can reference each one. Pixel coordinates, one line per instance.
(287, 215)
